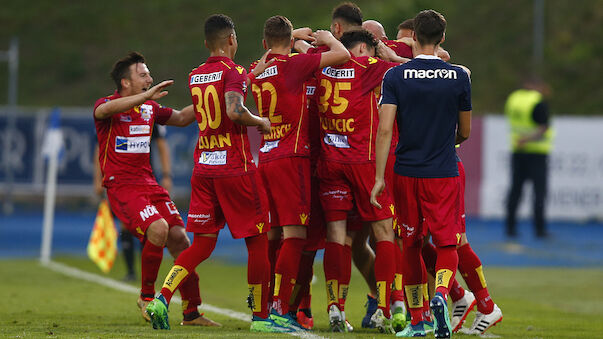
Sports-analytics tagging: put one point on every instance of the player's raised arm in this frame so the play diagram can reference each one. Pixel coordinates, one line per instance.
(260, 67)
(119, 105)
(183, 117)
(387, 114)
(337, 53)
(238, 113)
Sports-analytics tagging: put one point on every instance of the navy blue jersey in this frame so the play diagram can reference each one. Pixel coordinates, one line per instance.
(428, 93)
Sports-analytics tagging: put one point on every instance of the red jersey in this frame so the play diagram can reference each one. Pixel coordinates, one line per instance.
(399, 47)
(124, 142)
(348, 109)
(223, 147)
(280, 95)
(313, 120)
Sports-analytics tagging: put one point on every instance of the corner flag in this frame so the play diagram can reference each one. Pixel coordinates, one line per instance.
(102, 247)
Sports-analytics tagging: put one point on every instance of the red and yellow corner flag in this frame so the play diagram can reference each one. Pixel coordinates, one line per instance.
(102, 247)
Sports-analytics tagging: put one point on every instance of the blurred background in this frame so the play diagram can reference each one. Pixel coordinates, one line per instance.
(58, 54)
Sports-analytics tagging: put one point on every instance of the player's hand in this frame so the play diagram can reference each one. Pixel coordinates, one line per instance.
(304, 33)
(264, 126)
(384, 52)
(376, 191)
(262, 64)
(156, 92)
(322, 37)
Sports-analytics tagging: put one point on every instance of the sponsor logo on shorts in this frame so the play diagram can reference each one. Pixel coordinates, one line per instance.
(310, 90)
(336, 140)
(409, 230)
(303, 218)
(269, 72)
(148, 212)
(260, 226)
(339, 73)
(198, 79)
(213, 158)
(430, 74)
(200, 218)
(269, 145)
(337, 194)
(133, 144)
(140, 129)
(171, 207)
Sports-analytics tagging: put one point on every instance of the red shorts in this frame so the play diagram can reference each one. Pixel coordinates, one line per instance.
(239, 201)
(428, 205)
(389, 180)
(138, 206)
(462, 196)
(343, 186)
(287, 183)
(317, 230)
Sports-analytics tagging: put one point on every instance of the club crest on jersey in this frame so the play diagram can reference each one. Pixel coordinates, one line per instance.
(133, 144)
(339, 73)
(213, 158)
(146, 111)
(268, 72)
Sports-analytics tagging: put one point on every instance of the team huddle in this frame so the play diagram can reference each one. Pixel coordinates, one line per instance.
(357, 157)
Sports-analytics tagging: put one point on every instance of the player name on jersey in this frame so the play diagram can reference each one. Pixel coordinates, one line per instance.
(441, 73)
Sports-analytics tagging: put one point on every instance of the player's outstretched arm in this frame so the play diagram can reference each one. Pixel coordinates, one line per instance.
(260, 67)
(182, 118)
(387, 114)
(238, 113)
(109, 108)
(464, 127)
(337, 53)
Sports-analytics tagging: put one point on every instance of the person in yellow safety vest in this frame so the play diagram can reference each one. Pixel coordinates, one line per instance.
(531, 142)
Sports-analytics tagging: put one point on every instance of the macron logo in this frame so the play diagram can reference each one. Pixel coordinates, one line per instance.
(430, 74)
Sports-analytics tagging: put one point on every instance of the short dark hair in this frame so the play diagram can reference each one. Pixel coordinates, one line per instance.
(121, 68)
(407, 24)
(277, 31)
(353, 37)
(217, 27)
(429, 27)
(349, 13)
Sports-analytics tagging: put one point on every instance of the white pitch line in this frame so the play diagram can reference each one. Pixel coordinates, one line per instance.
(120, 286)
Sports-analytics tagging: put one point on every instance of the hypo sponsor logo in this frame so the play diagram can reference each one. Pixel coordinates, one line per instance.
(140, 129)
(339, 73)
(430, 74)
(213, 158)
(336, 140)
(198, 79)
(132, 144)
(269, 72)
(148, 212)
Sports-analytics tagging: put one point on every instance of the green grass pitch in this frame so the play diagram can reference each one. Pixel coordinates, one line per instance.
(36, 302)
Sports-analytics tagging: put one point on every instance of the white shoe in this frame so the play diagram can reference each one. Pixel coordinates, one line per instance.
(336, 320)
(378, 320)
(348, 326)
(460, 310)
(483, 322)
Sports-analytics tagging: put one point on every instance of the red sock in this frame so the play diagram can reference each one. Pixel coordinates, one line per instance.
(301, 299)
(385, 253)
(447, 261)
(398, 290)
(429, 257)
(471, 269)
(456, 290)
(273, 248)
(346, 275)
(332, 267)
(413, 280)
(189, 291)
(150, 261)
(285, 272)
(189, 259)
(258, 273)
